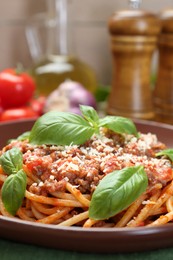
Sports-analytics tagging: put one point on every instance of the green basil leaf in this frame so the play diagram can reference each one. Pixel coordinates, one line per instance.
(90, 114)
(60, 128)
(166, 152)
(21, 137)
(119, 125)
(11, 161)
(116, 191)
(13, 191)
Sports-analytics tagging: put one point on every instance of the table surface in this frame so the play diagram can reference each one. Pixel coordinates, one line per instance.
(10, 250)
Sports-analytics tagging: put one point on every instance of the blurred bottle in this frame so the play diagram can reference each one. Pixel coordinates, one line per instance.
(54, 62)
(163, 93)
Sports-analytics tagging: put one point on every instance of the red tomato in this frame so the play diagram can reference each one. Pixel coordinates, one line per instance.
(16, 89)
(18, 113)
(1, 108)
(37, 104)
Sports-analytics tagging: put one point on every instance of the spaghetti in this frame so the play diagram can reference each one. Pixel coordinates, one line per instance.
(62, 179)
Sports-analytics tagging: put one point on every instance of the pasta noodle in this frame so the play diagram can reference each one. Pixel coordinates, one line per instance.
(61, 181)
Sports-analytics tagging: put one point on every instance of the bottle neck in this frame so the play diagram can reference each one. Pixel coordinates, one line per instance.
(50, 33)
(57, 38)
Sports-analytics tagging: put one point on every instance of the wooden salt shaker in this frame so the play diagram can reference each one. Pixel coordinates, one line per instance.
(163, 93)
(133, 40)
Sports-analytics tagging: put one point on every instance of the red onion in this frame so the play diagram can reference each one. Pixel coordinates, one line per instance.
(68, 96)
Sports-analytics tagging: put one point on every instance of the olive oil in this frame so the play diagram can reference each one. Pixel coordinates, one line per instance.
(50, 72)
(50, 43)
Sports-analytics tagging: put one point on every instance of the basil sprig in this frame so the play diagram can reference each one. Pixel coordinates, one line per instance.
(64, 128)
(116, 191)
(13, 189)
(119, 125)
(167, 152)
(22, 137)
(90, 114)
(61, 128)
(11, 161)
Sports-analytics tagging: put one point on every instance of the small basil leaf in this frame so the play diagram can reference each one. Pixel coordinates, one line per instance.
(11, 161)
(60, 128)
(167, 152)
(21, 137)
(90, 114)
(116, 191)
(119, 125)
(13, 191)
(24, 136)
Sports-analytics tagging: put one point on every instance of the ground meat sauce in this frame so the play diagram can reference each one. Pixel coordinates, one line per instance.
(85, 165)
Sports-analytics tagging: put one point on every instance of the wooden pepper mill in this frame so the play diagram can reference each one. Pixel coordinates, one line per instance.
(134, 36)
(163, 93)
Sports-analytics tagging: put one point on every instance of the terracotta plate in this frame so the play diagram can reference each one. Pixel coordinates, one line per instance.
(88, 240)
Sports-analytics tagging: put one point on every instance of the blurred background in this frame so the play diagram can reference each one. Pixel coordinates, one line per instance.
(90, 32)
(58, 40)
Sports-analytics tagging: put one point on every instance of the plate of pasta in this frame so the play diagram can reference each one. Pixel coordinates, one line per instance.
(84, 183)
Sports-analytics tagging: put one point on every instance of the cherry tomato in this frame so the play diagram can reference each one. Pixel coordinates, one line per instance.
(37, 104)
(1, 108)
(18, 113)
(16, 89)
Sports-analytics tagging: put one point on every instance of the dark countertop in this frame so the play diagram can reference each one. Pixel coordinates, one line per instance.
(17, 251)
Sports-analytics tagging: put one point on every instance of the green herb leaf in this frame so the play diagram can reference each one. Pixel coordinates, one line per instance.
(64, 128)
(119, 125)
(60, 128)
(116, 191)
(166, 152)
(11, 161)
(90, 114)
(21, 137)
(13, 191)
